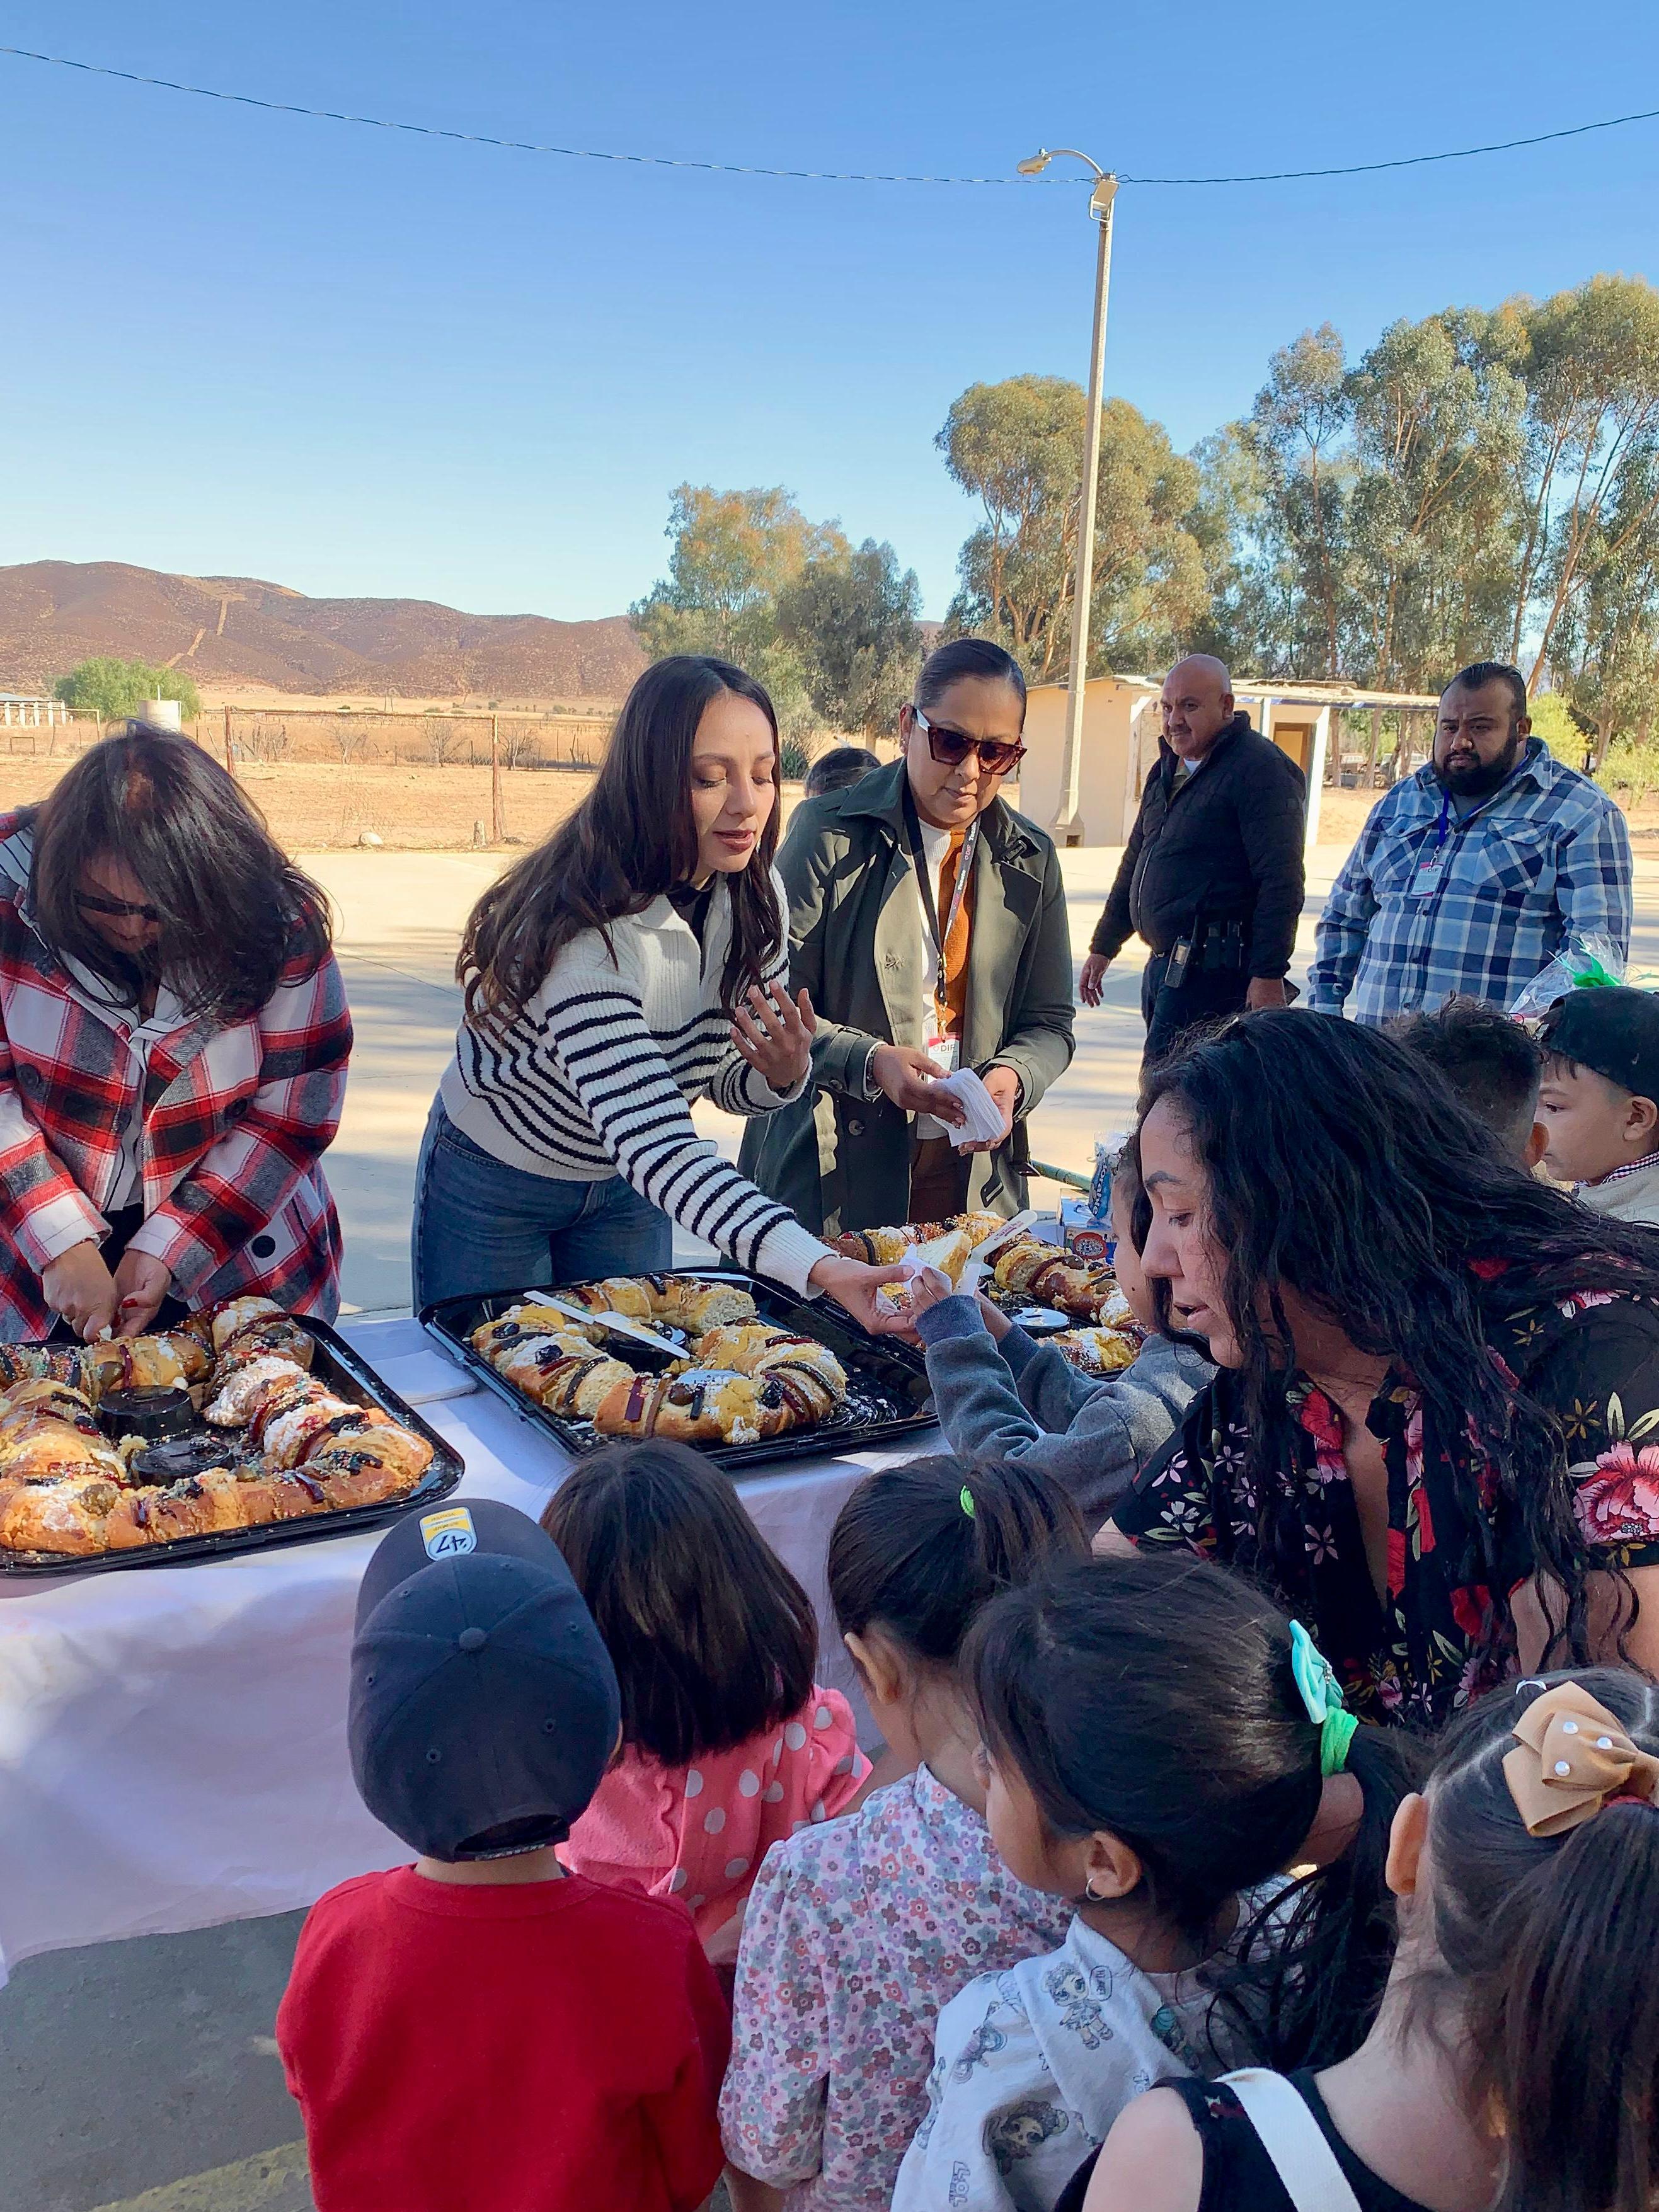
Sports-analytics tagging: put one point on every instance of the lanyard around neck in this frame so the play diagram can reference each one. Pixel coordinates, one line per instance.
(925, 884)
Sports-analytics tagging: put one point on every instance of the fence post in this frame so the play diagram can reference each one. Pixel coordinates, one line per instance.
(1376, 747)
(230, 758)
(497, 812)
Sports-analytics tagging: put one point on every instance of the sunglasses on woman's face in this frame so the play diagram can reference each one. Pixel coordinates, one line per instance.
(950, 748)
(117, 910)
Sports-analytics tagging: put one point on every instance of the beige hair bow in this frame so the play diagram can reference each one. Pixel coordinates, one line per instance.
(1571, 1756)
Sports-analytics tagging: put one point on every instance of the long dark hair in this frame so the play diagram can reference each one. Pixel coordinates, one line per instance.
(920, 1550)
(1545, 1960)
(631, 839)
(1339, 1165)
(1154, 1698)
(234, 909)
(712, 1638)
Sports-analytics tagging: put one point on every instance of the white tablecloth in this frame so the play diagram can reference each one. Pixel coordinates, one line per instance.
(173, 1750)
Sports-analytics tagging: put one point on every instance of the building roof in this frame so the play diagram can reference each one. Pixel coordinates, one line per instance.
(1286, 691)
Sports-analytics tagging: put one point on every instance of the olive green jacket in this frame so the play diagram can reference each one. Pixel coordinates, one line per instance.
(839, 1160)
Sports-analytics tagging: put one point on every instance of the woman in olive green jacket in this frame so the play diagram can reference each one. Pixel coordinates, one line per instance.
(869, 942)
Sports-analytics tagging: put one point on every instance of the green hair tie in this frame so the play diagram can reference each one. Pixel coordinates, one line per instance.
(1321, 1694)
(965, 1499)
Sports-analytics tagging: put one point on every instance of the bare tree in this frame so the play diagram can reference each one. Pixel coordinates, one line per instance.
(267, 740)
(521, 746)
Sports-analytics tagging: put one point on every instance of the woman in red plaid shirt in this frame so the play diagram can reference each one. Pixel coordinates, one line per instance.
(173, 1040)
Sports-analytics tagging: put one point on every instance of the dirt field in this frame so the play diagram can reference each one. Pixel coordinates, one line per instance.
(315, 804)
(1342, 816)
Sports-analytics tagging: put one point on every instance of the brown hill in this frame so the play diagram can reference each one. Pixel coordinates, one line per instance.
(235, 629)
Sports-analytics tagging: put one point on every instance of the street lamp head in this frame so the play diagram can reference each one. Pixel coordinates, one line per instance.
(1034, 164)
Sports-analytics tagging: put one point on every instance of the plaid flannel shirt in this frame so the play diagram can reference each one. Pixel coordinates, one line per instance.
(1547, 858)
(236, 1119)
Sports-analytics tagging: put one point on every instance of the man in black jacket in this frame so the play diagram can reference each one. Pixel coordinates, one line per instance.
(1211, 875)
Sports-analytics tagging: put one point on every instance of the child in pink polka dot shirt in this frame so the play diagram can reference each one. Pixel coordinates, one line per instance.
(727, 1743)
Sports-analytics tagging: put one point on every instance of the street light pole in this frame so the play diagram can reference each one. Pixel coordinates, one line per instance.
(1066, 825)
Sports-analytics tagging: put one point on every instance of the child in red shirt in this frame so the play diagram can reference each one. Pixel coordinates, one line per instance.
(483, 2032)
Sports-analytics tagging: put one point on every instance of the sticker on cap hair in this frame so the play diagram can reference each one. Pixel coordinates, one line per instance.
(447, 1535)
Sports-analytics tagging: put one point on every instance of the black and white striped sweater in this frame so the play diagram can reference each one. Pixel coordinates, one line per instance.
(598, 1075)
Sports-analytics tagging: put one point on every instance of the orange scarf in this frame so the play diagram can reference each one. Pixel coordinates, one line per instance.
(957, 940)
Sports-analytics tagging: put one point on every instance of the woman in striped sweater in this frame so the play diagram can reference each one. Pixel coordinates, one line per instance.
(630, 965)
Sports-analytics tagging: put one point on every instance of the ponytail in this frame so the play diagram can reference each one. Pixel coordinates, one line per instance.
(919, 1550)
(1574, 2032)
(1544, 1962)
(1313, 1968)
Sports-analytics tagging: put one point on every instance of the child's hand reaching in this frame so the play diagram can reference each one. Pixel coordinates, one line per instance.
(926, 1289)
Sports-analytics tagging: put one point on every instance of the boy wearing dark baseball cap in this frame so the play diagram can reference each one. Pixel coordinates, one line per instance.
(482, 2031)
(1599, 1098)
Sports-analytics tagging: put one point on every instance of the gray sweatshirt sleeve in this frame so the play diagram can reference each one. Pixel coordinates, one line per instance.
(1020, 1401)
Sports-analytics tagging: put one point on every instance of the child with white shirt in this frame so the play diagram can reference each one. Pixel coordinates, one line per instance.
(1156, 1737)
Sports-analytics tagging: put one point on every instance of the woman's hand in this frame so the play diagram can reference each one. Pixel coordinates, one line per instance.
(1003, 1085)
(79, 1287)
(142, 1283)
(854, 1286)
(904, 1074)
(774, 1033)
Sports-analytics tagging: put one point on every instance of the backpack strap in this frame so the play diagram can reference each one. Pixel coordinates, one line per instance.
(1301, 2156)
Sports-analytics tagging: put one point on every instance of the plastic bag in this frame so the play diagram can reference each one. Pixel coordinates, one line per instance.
(1588, 963)
(1106, 1150)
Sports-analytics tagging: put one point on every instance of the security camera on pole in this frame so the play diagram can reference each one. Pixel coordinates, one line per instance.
(1066, 827)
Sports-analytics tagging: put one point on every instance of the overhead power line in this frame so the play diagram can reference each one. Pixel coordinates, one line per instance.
(805, 176)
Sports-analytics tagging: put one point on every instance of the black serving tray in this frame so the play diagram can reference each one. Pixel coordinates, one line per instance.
(890, 1401)
(348, 1373)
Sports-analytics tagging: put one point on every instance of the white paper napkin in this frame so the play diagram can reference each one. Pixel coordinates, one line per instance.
(420, 1378)
(984, 1117)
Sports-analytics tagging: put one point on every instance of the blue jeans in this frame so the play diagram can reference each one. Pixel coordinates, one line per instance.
(481, 1225)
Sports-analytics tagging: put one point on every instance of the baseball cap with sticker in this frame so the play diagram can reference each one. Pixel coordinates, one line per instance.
(484, 1707)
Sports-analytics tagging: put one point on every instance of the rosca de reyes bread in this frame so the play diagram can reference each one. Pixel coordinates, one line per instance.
(738, 1381)
(300, 1449)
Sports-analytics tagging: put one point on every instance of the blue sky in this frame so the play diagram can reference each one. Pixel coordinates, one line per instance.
(363, 363)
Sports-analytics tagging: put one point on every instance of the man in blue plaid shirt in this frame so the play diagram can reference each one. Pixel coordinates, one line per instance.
(1471, 875)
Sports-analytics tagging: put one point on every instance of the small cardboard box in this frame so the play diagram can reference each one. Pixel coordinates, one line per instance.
(1086, 1236)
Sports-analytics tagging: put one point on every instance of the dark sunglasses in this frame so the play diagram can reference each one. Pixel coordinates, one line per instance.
(950, 748)
(117, 910)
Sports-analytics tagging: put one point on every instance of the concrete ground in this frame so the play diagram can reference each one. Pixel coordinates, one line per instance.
(400, 918)
(141, 2076)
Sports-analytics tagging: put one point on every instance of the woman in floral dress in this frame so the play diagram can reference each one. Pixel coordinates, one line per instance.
(1435, 1430)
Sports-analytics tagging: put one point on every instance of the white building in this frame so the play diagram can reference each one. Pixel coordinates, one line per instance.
(19, 711)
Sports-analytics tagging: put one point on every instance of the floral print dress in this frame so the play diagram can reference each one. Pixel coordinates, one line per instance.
(1436, 1638)
(857, 1932)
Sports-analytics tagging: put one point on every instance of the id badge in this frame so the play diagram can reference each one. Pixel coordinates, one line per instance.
(1428, 876)
(944, 1052)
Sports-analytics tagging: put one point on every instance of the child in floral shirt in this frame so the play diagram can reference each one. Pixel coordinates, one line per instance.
(859, 1929)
